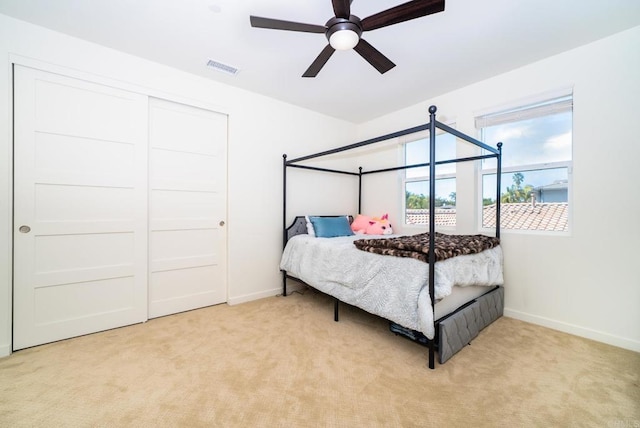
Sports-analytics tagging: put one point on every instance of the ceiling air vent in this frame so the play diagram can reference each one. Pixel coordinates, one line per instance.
(223, 68)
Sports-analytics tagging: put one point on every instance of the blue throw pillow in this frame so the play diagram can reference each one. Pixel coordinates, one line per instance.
(330, 227)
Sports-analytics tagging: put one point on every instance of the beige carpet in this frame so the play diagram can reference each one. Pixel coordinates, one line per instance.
(284, 362)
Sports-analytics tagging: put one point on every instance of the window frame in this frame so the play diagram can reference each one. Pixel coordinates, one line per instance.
(410, 138)
(559, 98)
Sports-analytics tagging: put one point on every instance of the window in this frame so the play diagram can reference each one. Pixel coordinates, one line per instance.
(416, 180)
(536, 166)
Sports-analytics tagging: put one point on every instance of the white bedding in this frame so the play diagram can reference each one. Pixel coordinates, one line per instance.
(395, 288)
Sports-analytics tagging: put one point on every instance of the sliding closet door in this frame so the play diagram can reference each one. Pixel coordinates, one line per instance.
(80, 209)
(188, 181)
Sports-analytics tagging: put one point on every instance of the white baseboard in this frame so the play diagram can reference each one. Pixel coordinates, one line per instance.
(598, 336)
(262, 294)
(253, 296)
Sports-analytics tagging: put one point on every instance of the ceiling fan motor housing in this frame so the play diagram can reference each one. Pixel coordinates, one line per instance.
(339, 24)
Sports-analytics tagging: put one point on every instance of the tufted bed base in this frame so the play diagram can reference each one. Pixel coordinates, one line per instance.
(456, 330)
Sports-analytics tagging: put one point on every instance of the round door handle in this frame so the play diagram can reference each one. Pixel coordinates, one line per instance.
(221, 223)
(24, 229)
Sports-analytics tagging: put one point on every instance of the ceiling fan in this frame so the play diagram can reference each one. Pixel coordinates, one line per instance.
(344, 30)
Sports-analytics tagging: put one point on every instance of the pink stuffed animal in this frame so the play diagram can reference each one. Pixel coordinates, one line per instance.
(360, 224)
(372, 225)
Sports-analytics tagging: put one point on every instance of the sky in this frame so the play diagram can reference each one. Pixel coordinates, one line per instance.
(532, 141)
(538, 142)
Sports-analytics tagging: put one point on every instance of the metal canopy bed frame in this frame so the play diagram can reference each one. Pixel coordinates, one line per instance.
(431, 126)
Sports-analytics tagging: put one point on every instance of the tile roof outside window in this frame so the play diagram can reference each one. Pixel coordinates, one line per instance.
(444, 216)
(552, 217)
(548, 216)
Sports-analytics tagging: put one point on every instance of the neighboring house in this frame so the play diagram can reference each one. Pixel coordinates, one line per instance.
(554, 192)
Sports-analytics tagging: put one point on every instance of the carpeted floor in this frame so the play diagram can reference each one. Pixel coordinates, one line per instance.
(284, 362)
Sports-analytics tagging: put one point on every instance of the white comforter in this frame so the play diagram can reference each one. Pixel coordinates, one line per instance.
(394, 288)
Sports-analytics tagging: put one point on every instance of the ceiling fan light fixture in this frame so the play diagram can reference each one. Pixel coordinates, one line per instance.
(343, 40)
(344, 34)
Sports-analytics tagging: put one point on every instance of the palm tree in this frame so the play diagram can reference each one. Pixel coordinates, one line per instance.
(516, 192)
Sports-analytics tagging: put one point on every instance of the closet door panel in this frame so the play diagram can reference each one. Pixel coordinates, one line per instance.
(187, 208)
(80, 209)
(195, 281)
(103, 163)
(181, 172)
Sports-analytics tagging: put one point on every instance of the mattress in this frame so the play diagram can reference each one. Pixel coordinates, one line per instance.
(394, 288)
(458, 297)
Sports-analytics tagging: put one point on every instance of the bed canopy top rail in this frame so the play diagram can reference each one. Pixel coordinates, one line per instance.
(419, 165)
(427, 126)
(315, 168)
(466, 138)
(360, 144)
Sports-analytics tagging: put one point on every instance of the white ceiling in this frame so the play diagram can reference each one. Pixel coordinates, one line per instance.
(468, 42)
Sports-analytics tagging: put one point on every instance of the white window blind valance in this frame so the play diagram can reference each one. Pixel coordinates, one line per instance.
(545, 108)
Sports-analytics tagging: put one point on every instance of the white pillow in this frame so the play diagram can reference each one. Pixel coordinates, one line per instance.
(310, 230)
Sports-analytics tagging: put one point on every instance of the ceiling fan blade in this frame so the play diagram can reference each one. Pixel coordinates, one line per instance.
(277, 24)
(373, 56)
(342, 8)
(404, 12)
(319, 62)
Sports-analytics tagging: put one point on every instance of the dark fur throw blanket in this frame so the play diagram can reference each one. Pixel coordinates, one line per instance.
(417, 246)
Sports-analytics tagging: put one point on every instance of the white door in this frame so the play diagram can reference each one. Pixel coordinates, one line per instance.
(188, 182)
(80, 207)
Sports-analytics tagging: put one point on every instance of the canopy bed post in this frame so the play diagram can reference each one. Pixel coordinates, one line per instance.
(498, 185)
(432, 221)
(359, 190)
(284, 218)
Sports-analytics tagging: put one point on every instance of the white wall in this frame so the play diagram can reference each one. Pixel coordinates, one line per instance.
(260, 131)
(586, 283)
